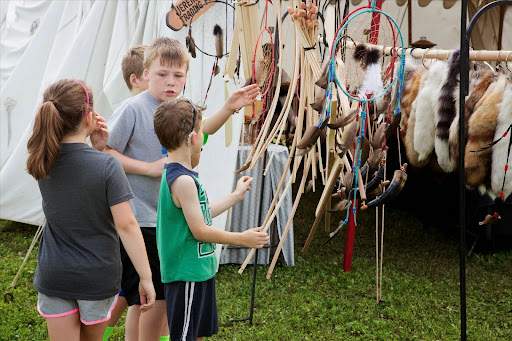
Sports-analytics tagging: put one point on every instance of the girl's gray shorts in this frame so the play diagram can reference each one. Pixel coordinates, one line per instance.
(91, 312)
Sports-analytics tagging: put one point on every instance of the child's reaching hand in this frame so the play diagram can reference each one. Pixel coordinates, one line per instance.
(254, 238)
(242, 186)
(99, 137)
(242, 97)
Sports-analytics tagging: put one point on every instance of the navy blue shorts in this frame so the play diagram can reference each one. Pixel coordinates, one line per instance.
(191, 309)
(130, 278)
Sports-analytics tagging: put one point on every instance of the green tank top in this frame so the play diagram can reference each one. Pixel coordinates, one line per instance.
(182, 257)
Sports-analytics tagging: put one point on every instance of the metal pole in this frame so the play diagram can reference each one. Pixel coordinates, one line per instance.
(464, 81)
(465, 36)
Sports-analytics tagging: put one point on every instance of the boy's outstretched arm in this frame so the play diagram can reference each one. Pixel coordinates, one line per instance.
(238, 99)
(242, 186)
(133, 166)
(184, 195)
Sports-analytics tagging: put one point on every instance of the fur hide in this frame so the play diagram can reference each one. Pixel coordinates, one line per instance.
(408, 97)
(412, 154)
(500, 149)
(480, 81)
(481, 131)
(448, 109)
(411, 65)
(424, 130)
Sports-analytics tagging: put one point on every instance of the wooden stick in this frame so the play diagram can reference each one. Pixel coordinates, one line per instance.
(290, 219)
(327, 192)
(481, 55)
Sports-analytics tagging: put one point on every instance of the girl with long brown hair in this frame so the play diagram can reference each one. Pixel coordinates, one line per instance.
(85, 197)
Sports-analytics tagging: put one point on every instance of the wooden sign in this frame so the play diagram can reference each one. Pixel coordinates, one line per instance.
(184, 12)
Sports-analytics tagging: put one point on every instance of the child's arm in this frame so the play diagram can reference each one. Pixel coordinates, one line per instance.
(133, 242)
(184, 193)
(238, 99)
(242, 186)
(153, 169)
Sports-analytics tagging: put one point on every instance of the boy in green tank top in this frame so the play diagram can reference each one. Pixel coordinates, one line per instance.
(185, 238)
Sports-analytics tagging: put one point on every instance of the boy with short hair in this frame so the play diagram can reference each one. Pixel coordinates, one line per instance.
(133, 141)
(132, 66)
(185, 238)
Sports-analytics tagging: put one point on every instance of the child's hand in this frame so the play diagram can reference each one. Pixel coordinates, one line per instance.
(99, 137)
(242, 186)
(242, 97)
(156, 168)
(147, 294)
(254, 238)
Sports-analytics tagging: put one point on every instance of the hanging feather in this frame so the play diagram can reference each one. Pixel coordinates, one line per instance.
(191, 46)
(219, 45)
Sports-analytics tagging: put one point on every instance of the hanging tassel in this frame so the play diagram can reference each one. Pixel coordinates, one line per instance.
(191, 46)
(219, 45)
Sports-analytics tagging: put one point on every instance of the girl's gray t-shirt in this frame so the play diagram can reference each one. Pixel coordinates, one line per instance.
(79, 254)
(132, 134)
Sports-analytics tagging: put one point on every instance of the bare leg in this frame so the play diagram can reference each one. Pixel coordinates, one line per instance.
(165, 327)
(65, 328)
(118, 311)
(131, 331)
(151, 322)
(93, 332)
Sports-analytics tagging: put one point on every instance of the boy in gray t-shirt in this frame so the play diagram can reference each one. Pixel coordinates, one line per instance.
(133, 141)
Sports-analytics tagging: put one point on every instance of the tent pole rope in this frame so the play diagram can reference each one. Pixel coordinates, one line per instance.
(8, 296)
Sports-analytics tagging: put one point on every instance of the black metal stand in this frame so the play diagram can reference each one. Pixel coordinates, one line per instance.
(253, 293)
(465, 36)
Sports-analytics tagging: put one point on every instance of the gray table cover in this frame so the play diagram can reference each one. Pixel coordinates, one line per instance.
(252, 210)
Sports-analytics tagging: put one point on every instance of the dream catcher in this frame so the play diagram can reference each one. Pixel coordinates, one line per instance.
(210, 34)
(359, 70)
(263, 65)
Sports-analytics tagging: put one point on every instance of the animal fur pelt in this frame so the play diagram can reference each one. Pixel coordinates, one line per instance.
(500, 149)
(480, 81)
(408, 96)
(482, 128)
(412, 154)
(219, 44)
(448, 109)
(411, 65)
(427, 105)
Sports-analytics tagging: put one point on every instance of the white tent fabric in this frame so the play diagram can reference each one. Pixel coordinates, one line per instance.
(86, 40)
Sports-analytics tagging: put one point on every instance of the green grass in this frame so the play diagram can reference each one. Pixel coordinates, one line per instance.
(316, 300)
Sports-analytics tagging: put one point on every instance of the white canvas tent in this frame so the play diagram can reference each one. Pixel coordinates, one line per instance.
(43, 40)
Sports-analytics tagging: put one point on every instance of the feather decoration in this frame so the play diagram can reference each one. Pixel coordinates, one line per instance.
(500, 149)
(191, 46)
(427, 106)
(481, 131)
(219, 45)
(446, 113)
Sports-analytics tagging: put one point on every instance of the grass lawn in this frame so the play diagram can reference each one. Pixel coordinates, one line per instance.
(316, 300)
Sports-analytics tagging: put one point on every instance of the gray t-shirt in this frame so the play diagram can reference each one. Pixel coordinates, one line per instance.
(79, 252)
(132, 134)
